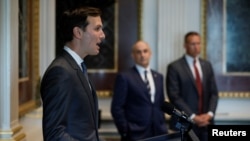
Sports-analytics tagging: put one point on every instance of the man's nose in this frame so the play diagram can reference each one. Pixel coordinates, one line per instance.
(102, 35)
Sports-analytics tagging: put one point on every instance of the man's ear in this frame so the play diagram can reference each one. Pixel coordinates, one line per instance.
(77, 32)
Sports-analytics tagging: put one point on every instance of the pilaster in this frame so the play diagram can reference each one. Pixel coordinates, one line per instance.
(10, 129)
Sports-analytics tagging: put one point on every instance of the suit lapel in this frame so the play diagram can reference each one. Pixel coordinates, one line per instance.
(84, 82)
(79, 72)
(156, 82)
(89, 93)
(188, 70)
(141, 82)
(138, 78)
(203, 72)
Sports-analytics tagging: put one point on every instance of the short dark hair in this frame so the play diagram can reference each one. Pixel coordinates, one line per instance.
(75, 18)
(191, 33)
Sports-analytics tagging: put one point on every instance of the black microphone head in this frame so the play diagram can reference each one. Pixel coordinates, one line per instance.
(168, 108)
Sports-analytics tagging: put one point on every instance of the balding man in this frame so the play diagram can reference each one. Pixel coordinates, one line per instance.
(138, 96)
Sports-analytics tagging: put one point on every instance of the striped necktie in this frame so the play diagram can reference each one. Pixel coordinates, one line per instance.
(147, 82)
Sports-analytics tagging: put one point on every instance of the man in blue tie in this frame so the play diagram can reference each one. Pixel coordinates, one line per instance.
(70, 105)
(137, 99)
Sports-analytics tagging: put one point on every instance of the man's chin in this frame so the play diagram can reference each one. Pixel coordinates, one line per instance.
(95, 53)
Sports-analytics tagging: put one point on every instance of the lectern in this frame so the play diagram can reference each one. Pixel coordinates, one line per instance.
(190, 135)
(165, 137)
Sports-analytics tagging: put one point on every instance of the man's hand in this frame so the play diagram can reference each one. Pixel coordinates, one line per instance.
(202, 120)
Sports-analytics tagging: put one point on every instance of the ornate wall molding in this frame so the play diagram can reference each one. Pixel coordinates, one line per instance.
(104, 93)
(234, 94)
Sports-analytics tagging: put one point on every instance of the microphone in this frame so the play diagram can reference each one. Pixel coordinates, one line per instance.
(183, 123)
(170, 109)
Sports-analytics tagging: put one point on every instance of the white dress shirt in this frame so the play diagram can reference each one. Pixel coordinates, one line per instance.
(141, 71)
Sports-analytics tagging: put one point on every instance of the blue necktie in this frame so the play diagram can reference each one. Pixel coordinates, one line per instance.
(84, 70)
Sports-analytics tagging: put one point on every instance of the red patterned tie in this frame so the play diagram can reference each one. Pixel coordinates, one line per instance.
(198, 86)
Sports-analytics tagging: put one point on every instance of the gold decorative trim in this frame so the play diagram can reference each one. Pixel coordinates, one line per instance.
(108, 94)
(234, 94)
(23, 79)
(139, 19)
(20, 137)
(26, 107)
(14, 133)
(204, 28)
(104, 94)
(35, 46)
(17, 129)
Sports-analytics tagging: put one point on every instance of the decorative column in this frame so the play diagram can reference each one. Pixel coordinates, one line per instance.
(10, 129)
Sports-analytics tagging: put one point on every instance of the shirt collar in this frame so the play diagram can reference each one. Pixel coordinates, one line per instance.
(190, 59)
(75, 56)
(141, 69)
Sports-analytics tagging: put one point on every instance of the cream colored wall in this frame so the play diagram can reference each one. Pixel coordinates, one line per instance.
(47, 33)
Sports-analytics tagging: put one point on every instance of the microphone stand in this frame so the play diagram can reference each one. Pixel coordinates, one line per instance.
(183, 123)
(182, 130)
(182, 133)
(183, 126)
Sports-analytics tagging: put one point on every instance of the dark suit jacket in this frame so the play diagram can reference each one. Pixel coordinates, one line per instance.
(132, 110)
(70, 109)
(181, 88)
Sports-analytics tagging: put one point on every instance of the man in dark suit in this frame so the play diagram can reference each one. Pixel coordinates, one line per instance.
(137, 99)
(70, 108)
(194, 93)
